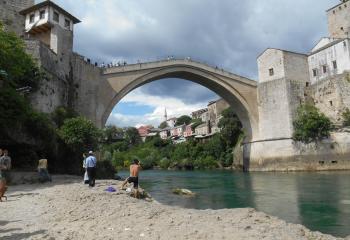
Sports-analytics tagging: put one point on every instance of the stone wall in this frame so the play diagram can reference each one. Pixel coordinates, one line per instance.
(339, 20)
(274, 109)
(93, 92)
(331, 96)
(53, 91)
(286, 155)
(71, 82)
(10, 17)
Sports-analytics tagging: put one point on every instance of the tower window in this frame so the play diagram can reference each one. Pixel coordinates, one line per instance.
(314, 72)
(42, 14)
(344, 44)
(307, 84)
(56, 17)
(324, 68)
(67, 23)
(31, 18)
(334, 64)
(331, 103)
(271, 72)
(342, 28)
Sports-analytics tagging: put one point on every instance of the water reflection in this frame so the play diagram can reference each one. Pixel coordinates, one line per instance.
(320, 201)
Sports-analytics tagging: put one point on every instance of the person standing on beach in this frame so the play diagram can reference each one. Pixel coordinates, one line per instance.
(86, 177)
(91, 168)
(5, 166)
(134, 174)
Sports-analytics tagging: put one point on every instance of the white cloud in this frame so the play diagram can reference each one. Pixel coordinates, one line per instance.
(175, 108)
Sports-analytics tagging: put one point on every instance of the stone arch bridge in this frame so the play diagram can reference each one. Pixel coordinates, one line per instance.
(239, 92)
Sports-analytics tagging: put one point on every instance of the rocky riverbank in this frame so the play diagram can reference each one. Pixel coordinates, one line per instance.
(67, 209)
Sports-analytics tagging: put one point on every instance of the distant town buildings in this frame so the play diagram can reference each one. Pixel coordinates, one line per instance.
(209, 118)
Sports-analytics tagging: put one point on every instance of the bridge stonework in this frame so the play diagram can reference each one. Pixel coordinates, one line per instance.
(266, 108)
(239, 92)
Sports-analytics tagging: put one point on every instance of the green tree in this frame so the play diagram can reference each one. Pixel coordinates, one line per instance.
(184, 119)
(346, 118)
(18, 67)
(231, 127)
(61, 114)
(110, 133)
(163, 125)
(132, 136)
(80, 133)
(310, 125)
(196, 123)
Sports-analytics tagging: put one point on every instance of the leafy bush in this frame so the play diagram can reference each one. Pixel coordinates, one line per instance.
(80, 133)
(20, 69)
(61, 114)
(346, 117)
(207, 162)
(231, 128)
(310, 125)
(184, 119)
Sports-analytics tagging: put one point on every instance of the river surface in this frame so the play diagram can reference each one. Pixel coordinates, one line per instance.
(319, 201)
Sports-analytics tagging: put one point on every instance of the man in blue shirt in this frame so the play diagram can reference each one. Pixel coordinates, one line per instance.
(91, 168)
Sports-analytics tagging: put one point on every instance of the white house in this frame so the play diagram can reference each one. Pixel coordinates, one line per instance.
(329, 57)
(50, 24)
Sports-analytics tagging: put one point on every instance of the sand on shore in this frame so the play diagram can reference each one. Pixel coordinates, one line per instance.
(67, 209)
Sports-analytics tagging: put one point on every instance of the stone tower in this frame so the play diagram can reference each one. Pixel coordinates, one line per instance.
(339, 20)
(10, 17)
(52, 25)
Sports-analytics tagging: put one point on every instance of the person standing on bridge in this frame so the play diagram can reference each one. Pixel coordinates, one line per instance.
(91, 163)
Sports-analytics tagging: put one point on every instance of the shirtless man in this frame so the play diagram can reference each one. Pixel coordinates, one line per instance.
(134, 174)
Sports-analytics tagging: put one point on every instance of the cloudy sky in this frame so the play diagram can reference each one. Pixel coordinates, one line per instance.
(225, 33)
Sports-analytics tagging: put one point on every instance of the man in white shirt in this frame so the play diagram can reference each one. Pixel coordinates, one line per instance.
(91, 168)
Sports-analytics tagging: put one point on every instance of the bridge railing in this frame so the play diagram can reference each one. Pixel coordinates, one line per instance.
(121, 67)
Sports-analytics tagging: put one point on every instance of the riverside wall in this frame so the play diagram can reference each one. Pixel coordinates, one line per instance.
(332, 153)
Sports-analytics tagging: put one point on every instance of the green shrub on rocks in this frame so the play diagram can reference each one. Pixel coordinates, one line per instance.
(310, 124)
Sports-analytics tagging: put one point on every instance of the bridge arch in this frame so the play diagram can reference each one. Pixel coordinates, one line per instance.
(239, 92)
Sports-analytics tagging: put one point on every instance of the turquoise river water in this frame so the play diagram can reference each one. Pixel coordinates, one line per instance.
(319, 201)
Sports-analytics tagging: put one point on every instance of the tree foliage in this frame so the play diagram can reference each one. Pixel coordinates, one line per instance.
(79, 133)
(196, 123)
(132, 136)
(111, 133)
(310, 124)
(231, 127)
(184, 119)
(163, 125)
(61, 114)
(17, 67)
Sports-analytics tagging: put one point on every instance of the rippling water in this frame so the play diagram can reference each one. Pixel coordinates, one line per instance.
(319, 201)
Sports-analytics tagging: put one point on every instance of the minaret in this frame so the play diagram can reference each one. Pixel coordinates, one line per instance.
(165, 115)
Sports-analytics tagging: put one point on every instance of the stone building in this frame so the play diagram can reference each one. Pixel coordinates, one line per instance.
(203, 129)
(329, 58)
(201, 114)
(283, 76)
(215, 109)
(50, 24)
(171, 122)
(339, 20)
